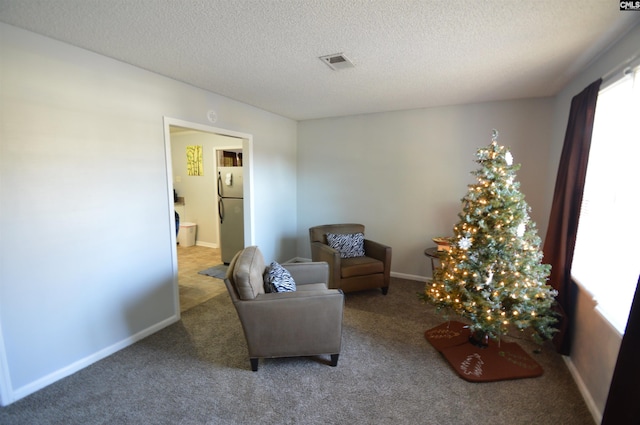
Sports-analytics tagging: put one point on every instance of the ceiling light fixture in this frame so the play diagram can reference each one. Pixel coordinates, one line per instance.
(337, 61)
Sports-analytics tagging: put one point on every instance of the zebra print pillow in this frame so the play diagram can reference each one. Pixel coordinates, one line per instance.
(349, 245)
(278, 279)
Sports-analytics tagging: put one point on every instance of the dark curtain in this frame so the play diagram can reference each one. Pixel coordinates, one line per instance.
(563, 221)
(622, 403)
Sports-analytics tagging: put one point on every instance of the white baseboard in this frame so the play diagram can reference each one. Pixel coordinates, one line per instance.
(298, 260)
(586, 395)
(207, 244)
(87, 361)
(411, 277)
(393, 274)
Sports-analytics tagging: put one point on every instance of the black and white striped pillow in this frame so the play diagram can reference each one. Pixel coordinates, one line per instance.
(349, 245)
(278, 279)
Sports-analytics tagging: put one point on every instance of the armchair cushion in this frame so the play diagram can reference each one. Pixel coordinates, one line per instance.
(278, 279)
(360, 266)
(348, 244)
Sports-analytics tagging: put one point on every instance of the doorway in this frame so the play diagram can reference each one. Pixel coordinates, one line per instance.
(197, 205)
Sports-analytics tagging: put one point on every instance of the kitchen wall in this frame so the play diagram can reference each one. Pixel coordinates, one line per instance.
(199, 192)
(402, 174)
(87, 264)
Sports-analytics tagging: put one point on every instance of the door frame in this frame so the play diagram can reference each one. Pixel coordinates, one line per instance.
(247, 170)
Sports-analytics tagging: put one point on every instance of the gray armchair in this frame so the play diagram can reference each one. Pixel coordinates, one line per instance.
(307, 322)
(373, 270)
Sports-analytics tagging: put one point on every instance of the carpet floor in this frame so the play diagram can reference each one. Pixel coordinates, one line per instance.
(197, 372)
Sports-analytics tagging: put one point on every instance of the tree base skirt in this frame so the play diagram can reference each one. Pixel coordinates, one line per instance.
(495, 362)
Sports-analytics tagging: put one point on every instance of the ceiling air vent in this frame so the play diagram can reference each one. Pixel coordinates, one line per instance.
(337, 61)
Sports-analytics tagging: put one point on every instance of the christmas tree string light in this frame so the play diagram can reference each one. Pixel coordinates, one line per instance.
(493, 275)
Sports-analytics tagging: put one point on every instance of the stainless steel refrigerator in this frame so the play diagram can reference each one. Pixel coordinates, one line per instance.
(231, 212)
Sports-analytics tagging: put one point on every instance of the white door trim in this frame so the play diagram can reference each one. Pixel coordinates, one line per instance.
(7, 395)
(247, 168)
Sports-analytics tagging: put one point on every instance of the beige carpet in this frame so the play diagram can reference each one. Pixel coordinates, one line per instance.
(197, 372)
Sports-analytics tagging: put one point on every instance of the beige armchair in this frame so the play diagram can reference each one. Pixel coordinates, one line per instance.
(307, 322)
(352, 274)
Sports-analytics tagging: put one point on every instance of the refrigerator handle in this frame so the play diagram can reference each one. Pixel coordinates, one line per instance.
(219, 184)
(221, 210)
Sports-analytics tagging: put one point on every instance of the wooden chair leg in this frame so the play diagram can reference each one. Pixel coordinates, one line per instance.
(334, 360)
(254, 364)
(385, 289)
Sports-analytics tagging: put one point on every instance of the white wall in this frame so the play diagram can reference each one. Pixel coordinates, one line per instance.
(199, 192)
(595, 343)
(402, 174)
(86, 259)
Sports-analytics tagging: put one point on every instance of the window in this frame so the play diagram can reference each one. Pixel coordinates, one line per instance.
(607, 253)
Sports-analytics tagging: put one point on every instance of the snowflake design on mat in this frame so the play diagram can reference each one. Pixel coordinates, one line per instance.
(472, 365)
(464, 243)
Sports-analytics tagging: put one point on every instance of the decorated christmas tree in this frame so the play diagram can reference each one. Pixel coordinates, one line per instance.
(492, 275)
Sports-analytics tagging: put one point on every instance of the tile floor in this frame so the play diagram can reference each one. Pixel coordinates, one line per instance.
(197, 288)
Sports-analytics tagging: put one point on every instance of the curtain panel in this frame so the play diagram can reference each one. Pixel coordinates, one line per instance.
(565, 211)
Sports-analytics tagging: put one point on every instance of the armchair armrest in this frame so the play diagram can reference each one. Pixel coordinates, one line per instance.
(303, 273)
(323, 252)
(377, 250)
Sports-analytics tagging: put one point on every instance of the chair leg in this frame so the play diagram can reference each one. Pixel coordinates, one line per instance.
(385, 289)
(334, 360)
(254, 363)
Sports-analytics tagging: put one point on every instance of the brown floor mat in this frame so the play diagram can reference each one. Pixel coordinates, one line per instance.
(481, 364)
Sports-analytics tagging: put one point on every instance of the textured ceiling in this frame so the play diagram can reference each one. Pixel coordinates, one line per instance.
(407, 53)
